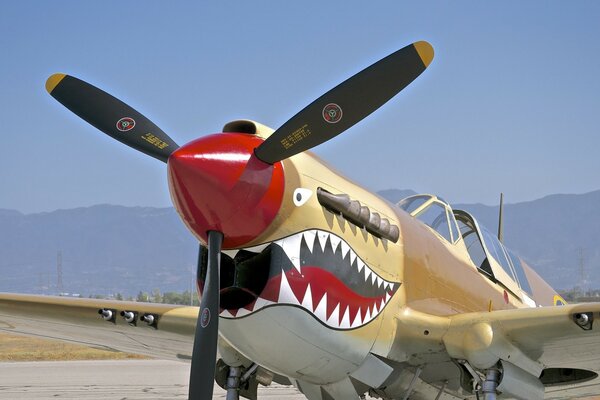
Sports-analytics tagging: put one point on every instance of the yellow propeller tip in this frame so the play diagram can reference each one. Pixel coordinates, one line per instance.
(53, 81)
(425, 51)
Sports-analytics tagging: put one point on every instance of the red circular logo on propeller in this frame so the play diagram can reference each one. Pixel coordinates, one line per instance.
(205, 318)
(332, 113)
(125, 124)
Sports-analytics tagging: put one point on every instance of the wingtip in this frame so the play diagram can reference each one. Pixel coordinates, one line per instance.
(425, 51)
(53, 81)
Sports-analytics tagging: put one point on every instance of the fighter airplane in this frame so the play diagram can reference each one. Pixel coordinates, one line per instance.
(309, 280)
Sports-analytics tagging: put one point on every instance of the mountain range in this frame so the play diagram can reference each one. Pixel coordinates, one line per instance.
(108, 249)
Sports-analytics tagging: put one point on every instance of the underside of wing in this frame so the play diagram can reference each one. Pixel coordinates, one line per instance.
(157, 330)
(553, 351)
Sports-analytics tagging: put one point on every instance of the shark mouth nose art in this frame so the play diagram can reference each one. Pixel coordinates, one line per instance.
(313, 270)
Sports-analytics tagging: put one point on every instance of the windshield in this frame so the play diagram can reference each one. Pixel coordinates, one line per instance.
(435, 217)
(411, 203)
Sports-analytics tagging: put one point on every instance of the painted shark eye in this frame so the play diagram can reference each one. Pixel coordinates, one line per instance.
(301, 196)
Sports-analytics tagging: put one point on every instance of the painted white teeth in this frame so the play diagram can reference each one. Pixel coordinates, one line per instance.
(373, 278)
(387, 297)
(241, 312)
(352, 257)
(258, 249)
(309, 238)
(367, 273)
(226, 314)
(291, 246)
(321, 310)
(322, 239)
(357, 320)
(367, 316)
(379, 281)
(335, 241)
(307, 301)
(231, 253)
(345, 322)
(260, 303)
(345, 249)
(334, 318)
(286, 295)
(360, 265)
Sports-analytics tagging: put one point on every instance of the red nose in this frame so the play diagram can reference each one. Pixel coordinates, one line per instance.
(217, 183)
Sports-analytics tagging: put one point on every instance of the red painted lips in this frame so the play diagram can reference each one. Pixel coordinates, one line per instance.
(217, 183)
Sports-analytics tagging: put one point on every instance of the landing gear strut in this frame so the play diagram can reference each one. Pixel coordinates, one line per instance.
(492, 378)
(239, 381)
(233, 383)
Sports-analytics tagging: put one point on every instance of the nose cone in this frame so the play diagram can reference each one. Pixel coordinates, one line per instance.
(217, 183)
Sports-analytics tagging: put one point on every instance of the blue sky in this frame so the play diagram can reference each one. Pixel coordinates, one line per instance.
(510, 102)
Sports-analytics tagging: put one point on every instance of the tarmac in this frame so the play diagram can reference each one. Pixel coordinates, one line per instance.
(108, 380)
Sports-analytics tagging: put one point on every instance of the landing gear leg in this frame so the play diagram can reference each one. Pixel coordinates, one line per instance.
(233, 383)
(492, 378)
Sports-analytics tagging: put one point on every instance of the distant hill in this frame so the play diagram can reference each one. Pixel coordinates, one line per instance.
(108, 248)
(551, 233)
(113, 249)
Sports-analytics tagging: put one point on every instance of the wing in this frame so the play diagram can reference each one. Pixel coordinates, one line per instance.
(169, 335)
(561, 345)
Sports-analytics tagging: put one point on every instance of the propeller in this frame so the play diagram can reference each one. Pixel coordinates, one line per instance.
(111, 116)
(346, 104)
(328, 116)
(204, 355)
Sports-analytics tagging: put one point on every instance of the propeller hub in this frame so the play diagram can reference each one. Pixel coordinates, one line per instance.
(217, 183)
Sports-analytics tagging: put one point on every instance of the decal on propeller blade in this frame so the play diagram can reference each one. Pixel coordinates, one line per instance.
(296, 136)
(155, 140)
(205, 318)
(125, 124)
(332, 113)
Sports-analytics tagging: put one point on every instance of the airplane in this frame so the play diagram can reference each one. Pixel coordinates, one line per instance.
(307, 279)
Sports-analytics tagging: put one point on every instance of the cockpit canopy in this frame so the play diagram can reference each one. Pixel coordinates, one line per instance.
(487, 253)
(434, 212)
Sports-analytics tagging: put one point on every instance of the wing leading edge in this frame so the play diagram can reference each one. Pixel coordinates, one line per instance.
(168, 336)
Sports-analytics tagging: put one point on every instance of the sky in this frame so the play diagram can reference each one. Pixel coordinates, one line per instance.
(509, 104)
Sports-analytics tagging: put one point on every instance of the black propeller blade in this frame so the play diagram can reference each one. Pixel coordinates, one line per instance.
(347, 103)
(202, 373)
(111, 116)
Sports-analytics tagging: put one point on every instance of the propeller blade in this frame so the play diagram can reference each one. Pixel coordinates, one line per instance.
(347, 103)
(204, 355)
(111, 116)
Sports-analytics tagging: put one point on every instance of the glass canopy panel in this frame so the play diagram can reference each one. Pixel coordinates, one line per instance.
(518, 266)
(474, 247)
(435, 217)
(411, 203)
(496, 251)
(453, 226)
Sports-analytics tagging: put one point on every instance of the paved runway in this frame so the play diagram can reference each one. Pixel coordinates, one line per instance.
(108, 380)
